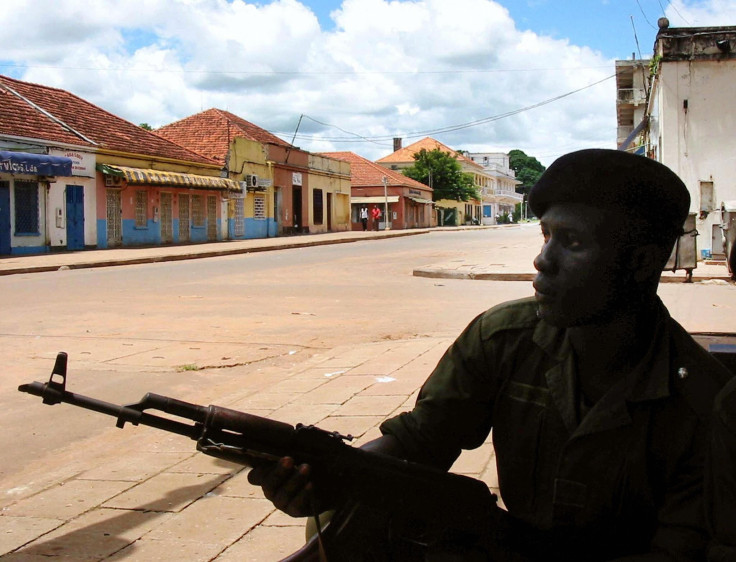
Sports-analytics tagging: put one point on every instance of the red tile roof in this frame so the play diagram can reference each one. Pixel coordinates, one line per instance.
(210, 132)
(364, 173)
(407, 153)
(57, 115)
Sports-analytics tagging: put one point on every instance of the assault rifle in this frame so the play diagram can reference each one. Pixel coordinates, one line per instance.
(411, 501)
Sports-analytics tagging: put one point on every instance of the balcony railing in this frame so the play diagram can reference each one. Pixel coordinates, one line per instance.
(632, 95)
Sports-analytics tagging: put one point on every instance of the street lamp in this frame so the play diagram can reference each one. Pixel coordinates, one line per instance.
(385, 204)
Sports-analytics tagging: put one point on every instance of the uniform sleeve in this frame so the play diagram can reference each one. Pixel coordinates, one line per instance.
(454, 407)
(720, 490)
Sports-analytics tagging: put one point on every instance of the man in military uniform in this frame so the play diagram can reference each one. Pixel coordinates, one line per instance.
(720, 478)
(598, 400)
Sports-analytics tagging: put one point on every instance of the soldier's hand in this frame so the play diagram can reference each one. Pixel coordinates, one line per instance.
(287, 486)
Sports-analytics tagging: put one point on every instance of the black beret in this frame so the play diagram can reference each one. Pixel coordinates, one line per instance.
(613, 179)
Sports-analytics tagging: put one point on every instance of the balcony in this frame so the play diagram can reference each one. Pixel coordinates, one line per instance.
(634, 96)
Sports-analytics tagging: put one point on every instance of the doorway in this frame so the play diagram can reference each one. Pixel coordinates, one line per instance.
(167, 219)
(329, 212)
(74, 217)
(296, 202)
(4, 217)
(184, 218)
(114, 218)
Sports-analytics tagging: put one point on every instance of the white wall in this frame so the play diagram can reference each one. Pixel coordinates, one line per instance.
(698, 142)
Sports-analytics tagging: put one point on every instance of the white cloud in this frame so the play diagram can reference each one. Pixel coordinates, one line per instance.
(701, 13)
(386, 68)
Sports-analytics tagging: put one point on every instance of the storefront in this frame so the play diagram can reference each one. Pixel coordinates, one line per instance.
(139, 206)
(25, 182)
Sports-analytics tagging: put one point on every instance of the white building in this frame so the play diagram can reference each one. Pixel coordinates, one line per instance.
(691, 115)
(500, 196)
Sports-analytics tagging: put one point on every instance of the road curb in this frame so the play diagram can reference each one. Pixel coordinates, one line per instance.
(201, 254)
(438, 273)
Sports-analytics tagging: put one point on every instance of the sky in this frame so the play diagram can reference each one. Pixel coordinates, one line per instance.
(338, 75)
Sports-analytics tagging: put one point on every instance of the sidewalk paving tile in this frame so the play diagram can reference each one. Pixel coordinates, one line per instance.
(238, 487)
(213, 519)
(265, 544)
(370, 406)
(337, 390)
(69, 499)
(145, 550)
(135, 468)
(474, 462)
(199, 463)
(166, 492)
(96, 534)
(17, 531)
(304, 413)
(356, 426)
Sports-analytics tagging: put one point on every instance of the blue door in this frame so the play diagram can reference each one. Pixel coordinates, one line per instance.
(74, 217)
(4, 217)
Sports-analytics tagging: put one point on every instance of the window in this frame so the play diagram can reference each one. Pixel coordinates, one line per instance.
(197, 211)
(141, 209)
(26, 207)
(707, 199)
(317, 206)
(259, 207)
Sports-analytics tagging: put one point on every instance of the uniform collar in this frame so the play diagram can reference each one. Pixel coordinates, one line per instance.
(649, 380)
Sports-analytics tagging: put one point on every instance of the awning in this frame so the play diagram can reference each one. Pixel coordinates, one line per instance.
(145, 176)
(34, 164)
(376, 199)
(421, 200)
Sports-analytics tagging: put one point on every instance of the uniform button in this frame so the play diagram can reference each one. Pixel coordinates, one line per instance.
(682, 373)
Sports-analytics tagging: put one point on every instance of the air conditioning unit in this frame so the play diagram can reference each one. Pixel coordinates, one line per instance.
(251, 180)
(113, 181)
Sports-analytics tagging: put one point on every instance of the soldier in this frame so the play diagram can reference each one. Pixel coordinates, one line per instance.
(720, 478)
(598, 400)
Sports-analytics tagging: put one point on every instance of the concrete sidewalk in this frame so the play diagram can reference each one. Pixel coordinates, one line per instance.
(141, 494)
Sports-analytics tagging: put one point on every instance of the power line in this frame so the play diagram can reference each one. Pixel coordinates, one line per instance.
(448, 129)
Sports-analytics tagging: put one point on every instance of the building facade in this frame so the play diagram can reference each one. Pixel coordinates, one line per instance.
(448, 212)
(498, 185)
(690, 119)
(285, 190)
(406, 202)
(123, 185)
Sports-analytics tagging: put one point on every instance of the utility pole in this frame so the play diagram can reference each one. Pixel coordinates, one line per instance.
(385, 204)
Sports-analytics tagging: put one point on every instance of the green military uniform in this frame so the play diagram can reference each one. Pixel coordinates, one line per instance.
(721, 478)
(621, 477)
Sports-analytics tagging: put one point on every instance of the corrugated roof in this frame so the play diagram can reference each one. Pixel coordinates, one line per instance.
(72, 120)
(209, 133)
(364, 173)
(406, 154)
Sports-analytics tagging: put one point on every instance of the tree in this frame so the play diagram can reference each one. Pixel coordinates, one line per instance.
(146, 126)
(443, 173)
(528, 170)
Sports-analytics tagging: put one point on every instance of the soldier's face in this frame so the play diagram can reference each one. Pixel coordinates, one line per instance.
(582, 276)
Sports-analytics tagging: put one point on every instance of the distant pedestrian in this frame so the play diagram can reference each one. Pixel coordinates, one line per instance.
(376, 214)
(364, 218)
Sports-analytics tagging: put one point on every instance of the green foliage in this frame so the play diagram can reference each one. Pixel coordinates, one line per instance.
(654, 64)
(443, 173)
(188, 367)
(146, 126)
(528, 170)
